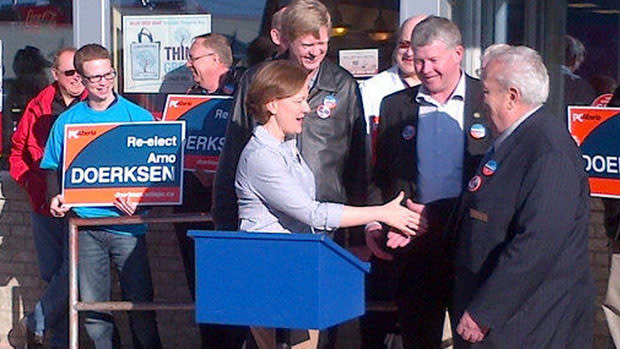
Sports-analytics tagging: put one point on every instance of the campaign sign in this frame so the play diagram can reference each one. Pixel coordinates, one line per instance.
(205, 119)
(596, 131)
(139, 160)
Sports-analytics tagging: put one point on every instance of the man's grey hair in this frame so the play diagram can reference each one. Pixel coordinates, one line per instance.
(492, 50)
(522, 68)
(436, 28)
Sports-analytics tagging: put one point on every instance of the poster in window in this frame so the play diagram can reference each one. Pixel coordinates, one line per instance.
(155, 50)
(360, 63)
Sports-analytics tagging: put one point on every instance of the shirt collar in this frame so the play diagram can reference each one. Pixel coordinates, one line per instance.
(266, 138)
(507, 132)
(424, 96)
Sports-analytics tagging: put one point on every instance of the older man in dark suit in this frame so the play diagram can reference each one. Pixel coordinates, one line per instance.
(522, 271)
(430, 141)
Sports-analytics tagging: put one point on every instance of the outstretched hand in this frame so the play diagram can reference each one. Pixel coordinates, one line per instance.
(421, 210)
(408, 221)
(396, 239)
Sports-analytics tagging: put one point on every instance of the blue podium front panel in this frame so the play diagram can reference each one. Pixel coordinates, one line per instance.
(276, 280)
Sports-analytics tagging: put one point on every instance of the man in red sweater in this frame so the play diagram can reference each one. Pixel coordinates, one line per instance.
(50, 235)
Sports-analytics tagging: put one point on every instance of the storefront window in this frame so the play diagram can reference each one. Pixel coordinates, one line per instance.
(30, 33)
(578, 41)
(368, 25)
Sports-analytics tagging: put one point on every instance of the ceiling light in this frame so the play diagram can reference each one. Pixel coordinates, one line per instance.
(606, 12)
(582, 5)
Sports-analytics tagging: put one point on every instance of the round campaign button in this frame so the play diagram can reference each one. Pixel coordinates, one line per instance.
(408, 132)
(323, 111)
(489, 168)
(228, 89)
(478, 131)
(330, 101)
(474, 183)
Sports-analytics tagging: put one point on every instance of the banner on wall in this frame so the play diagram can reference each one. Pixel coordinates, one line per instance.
(205, 119)
(145, 164)
(155, 50)
(596, 130)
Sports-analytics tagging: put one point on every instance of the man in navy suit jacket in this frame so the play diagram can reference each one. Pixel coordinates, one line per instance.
(522, 277)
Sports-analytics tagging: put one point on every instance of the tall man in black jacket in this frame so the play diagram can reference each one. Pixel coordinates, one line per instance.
(333, 140)
(431, 139)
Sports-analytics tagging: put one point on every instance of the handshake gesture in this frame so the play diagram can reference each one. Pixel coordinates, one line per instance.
(396, 236)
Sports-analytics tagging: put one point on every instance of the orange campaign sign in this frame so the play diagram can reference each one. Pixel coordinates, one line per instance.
(596, 131)
(145, 166)
(206, 118)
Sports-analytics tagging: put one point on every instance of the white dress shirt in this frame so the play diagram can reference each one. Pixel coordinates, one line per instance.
(440, 145)
(374, 89)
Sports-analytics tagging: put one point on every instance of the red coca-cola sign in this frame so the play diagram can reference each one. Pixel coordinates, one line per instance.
(34, 16)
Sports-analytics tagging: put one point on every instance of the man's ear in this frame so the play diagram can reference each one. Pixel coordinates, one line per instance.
(514, 97)
(274, 34)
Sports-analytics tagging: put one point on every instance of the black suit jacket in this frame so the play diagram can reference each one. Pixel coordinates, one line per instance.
(396, 165)
(396, 169)
(522, 262)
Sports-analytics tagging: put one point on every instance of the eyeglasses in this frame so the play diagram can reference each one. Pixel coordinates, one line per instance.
(68, 73)
(96, 78)
(192, 59)
(404, 44)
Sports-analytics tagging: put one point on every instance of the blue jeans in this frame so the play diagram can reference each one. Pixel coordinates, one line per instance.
(129, 255)
(50, 312)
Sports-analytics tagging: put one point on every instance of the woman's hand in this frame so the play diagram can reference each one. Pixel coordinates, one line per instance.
(409, 220)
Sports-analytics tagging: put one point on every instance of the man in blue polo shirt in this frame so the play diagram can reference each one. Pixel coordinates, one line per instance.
(125, 245)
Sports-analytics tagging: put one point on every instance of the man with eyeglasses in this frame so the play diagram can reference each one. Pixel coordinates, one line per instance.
(211, 63)
(49, 233)
(125, 245)
(400, 76)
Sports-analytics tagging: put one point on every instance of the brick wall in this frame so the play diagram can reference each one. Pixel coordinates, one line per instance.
(20, 286)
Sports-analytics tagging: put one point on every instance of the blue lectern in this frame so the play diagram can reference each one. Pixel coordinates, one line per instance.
(276, 280)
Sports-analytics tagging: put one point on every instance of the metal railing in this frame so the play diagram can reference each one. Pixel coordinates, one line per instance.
(75, 306)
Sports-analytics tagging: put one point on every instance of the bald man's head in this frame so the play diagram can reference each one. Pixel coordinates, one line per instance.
(403, 55)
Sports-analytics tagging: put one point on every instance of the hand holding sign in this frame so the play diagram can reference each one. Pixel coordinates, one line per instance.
(125, 206)
(57, 206)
